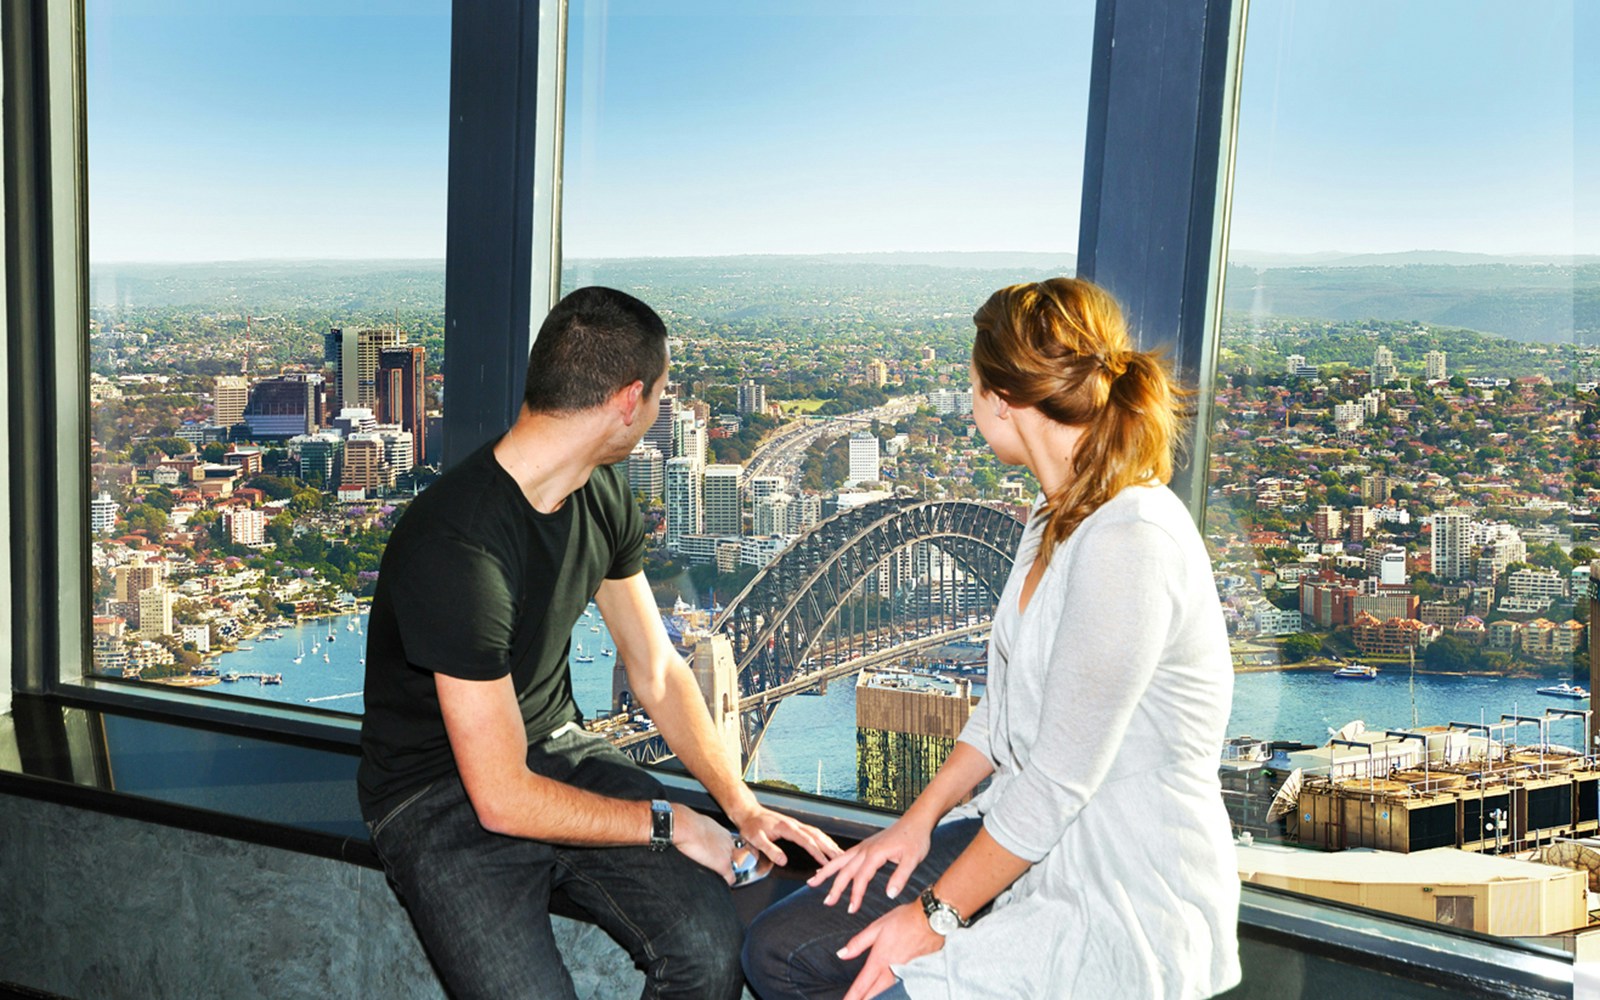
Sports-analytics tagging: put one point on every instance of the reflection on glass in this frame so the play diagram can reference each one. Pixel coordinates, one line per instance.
(266, 237)
(1401, 495)
(816, 202)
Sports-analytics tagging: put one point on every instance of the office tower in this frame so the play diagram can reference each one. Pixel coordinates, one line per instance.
(318, 456)
(877, 373)
(752, 397)
(245, 525)
(863, 458)
(401, 394)
(1392, 567)
(662, 434)
(102, 514)
(647, 472)
(228, 399)
(906, 725)
(284, 406)
(364, 464)
(1434, 363)
(399, 449)
(1452, 545)
(720, 493)
(690, 440)
(683, 500)
(353, 355)
(354, 420)
(1383, 370)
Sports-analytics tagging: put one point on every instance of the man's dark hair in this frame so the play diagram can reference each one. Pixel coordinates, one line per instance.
(594, 342)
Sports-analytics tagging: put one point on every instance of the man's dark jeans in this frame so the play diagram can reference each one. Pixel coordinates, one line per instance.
(480, 901)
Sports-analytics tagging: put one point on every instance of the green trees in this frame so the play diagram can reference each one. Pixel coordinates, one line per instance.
(1300, 647)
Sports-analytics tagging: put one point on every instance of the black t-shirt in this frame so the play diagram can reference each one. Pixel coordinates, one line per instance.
(475, 583)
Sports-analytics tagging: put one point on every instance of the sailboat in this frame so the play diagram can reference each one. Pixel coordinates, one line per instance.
(582, 656)
(302, 653)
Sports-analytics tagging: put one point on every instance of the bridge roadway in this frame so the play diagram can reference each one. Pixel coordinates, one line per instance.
(816, 677)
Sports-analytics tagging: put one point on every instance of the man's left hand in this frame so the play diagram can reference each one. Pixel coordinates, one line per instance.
(893, 939)
(761, 828)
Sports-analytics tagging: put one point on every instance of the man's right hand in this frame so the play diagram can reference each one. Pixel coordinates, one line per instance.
(703, 839)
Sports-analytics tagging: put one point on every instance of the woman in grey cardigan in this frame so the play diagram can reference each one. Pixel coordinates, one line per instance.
(1097, 863)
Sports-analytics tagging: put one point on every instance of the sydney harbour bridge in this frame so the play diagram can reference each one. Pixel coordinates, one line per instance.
(864, 588)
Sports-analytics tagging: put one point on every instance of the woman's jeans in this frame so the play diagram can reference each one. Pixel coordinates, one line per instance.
(480, 901)
(789, 952)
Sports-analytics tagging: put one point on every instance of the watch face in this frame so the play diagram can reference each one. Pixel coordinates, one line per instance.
(943, 921)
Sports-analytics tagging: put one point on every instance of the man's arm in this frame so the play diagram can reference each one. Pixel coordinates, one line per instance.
(486, 736)
(667, 690)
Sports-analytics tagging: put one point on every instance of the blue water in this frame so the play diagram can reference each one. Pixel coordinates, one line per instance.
(808, 731)
(817, 732)
(335, 683)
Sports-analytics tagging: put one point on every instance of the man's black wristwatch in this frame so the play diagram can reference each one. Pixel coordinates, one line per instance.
(660, 824)
(943, 918)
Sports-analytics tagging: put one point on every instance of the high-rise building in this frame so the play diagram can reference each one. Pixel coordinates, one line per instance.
(1374, 489)
(1359, 523)
(284, 406)
(906, 725)
(863, 458)
(805, 513)
(764, 486)
(663, 434)
(364, 464)
(720, 493)
(1326, 523)
(399, 448)
(647, 472)
(136, 576)
(353, 355)
(771, 515)
(102, 514)
(1383, 369)
(229, 397)
(946, 402)
(401, 393)
(684, 510)
(877, 373)
(245, 525)
(1452, 544)
(155, 611)
(355, 420)
(1434, 363)
(690, 440)
(318, 456)
(752, 397)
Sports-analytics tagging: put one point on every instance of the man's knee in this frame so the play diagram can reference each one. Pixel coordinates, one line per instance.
(700, 957)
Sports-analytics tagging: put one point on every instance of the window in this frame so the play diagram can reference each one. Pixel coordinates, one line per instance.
(1401, 498)
(266, 331)
(817, 200)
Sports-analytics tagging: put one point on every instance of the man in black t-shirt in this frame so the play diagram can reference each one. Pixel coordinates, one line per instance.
(482, 792)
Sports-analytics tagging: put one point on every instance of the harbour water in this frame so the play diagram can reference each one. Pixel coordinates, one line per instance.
(812, 741)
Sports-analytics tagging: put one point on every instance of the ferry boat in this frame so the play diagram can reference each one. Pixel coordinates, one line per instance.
(272, 678)
(230, 676)
(1356, 672)
(1565, 690)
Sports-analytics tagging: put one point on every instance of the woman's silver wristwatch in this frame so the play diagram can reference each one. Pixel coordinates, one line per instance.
(943, 918)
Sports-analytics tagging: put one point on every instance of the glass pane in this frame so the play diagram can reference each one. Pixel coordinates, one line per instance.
(1400, 510)
(266, 238)
(817, 198)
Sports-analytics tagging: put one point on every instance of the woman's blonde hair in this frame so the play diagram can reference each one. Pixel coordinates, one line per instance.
(1061, 346)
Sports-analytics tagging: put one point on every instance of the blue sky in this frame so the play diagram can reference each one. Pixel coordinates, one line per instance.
(300, 129)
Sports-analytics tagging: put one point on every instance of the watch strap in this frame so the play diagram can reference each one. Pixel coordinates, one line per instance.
(660, 824)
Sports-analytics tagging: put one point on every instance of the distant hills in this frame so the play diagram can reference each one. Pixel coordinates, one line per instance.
(1528, 298)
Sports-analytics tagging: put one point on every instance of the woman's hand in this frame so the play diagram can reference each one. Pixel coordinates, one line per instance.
(905, 843)
(762, 827)
(893, 939)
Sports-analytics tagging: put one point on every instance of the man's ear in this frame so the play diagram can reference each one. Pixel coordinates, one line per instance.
(627, 401)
